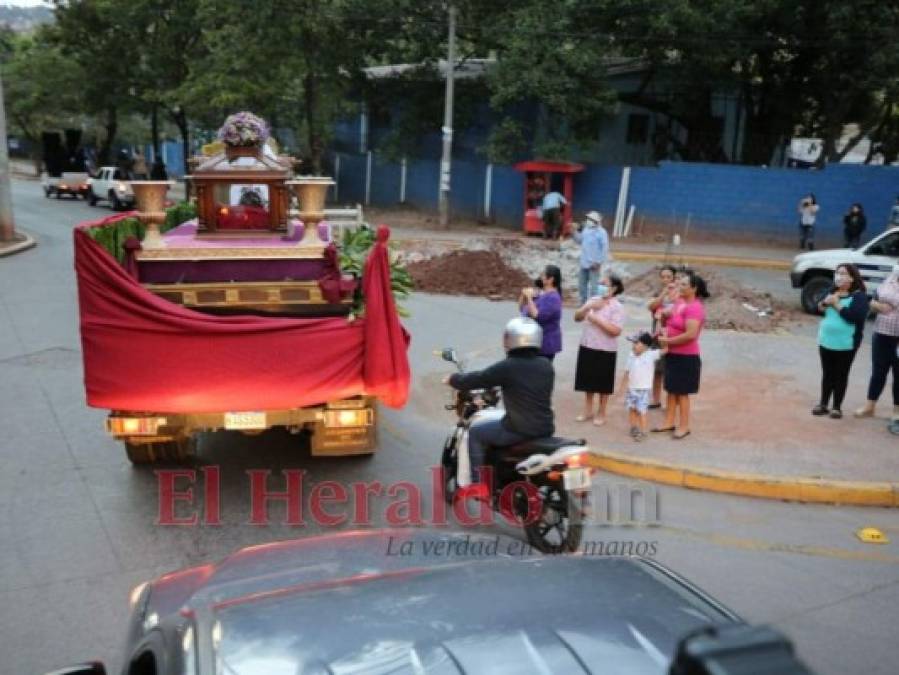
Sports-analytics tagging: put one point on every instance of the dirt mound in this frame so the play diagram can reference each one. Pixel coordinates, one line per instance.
(480, 273)
(731, 304)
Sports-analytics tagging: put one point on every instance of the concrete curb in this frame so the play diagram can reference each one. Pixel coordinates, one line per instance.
(700, 259)
(798, 489)
(631, 256)
(18, 247)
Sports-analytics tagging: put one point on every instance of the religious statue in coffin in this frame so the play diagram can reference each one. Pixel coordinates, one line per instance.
(242, 187)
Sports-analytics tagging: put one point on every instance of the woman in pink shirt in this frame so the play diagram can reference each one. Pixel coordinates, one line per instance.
(603, 318)
(682, 362)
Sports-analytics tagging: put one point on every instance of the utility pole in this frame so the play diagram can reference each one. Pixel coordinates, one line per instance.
(7, 226)
(447, 158)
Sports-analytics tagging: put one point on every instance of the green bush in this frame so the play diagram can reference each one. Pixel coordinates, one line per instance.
(178, 214)
(112, 237)
(354, 249)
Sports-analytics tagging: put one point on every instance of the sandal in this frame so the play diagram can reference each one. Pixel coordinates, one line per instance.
(654, 406)
(659, 430)
(676, 436)
(583, 418)
(819, 410)
(598, 421)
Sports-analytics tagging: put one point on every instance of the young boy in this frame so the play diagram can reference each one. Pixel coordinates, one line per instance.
(639, 374)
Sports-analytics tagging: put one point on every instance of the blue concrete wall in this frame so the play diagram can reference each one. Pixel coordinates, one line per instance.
(741, 198)
(728, 199)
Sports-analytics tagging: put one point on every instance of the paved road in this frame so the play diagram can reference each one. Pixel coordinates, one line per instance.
(77, 523)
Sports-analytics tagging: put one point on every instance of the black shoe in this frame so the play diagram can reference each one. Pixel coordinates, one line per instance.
(819, 410)
(836, 414)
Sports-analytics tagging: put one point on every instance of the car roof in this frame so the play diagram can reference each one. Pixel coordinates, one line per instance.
(446, 612)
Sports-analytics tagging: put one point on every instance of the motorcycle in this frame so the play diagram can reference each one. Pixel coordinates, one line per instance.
(541, 484)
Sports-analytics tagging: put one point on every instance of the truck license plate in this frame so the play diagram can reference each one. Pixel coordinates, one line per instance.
(245, 420)
(576, 479)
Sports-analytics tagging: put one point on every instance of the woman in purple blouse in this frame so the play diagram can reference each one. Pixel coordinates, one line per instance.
(546, 309)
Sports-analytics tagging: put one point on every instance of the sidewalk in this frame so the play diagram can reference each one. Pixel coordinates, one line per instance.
(752, 432)
(413, 227)
(21, 243)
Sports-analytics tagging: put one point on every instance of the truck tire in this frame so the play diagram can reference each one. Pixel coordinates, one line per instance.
(92, 198)
(174, 451)
(813, 292)
(114, 201)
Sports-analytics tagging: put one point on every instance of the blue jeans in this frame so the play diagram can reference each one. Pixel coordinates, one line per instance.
(488, 434)
(586, 283)
(883, 360)
(807, 237)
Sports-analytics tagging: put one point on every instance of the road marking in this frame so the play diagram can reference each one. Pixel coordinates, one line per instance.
(763, 546)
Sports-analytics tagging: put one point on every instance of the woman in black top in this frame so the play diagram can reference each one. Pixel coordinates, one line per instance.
(854, 223)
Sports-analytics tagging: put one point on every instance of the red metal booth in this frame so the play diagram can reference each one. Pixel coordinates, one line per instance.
(537, 182)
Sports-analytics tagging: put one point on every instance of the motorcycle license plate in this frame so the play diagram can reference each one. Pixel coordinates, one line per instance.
(576, 479)
(245, 420)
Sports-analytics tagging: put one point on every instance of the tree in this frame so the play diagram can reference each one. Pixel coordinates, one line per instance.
(170, 46)
(290, 61)
(41, 87)
(97, 37)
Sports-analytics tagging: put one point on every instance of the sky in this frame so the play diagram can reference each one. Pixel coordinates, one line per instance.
(22, 3)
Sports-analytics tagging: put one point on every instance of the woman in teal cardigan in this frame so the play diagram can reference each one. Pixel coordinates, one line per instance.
(845, 309)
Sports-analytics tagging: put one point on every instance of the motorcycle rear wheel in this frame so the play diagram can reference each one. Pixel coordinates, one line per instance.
(559, 529)
(448, 462)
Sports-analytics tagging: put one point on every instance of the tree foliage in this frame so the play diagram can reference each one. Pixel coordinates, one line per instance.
(793, 67)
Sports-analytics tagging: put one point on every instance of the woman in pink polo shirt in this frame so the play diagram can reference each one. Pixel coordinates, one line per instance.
(682, 362)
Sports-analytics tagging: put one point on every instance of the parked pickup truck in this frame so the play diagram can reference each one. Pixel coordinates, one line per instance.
(113, 185)
(813, 271)
(72, 184)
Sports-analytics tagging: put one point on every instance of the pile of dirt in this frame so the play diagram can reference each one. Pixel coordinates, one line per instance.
(731, 304)
(479, 273)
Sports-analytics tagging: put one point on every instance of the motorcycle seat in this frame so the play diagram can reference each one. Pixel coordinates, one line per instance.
(538, 445)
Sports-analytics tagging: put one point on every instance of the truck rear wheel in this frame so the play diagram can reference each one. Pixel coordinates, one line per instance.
(178, 450)
(814, 291)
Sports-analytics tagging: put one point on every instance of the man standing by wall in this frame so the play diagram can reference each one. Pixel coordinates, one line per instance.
(594, 241)
(894, 214)
(552, 214)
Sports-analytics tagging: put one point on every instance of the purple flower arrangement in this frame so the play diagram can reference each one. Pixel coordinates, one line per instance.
(243, 129)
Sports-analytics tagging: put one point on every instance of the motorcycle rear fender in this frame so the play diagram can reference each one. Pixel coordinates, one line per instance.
(540, 463)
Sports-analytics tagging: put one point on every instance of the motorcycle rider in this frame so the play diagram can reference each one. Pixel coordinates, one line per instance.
(526, 380)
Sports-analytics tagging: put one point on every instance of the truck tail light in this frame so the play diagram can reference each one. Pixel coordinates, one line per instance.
(347, 404)
(349, 418)
(134, 426)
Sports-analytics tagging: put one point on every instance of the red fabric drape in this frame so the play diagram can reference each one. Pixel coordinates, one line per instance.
(142, 353)
(386, 362)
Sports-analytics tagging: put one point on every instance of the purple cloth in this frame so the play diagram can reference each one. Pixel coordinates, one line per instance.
(549, 316)
(213, 270)
(200, 271)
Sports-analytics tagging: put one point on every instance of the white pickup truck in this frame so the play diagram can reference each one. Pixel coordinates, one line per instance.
(113, 185)
(69, 183)
(813, 271)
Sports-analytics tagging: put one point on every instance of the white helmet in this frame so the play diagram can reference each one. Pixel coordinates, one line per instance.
(522, 333)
